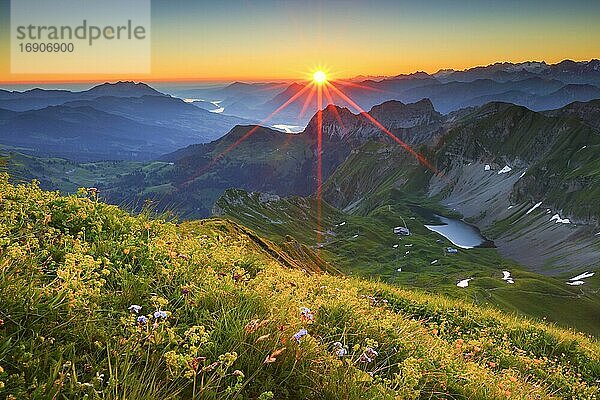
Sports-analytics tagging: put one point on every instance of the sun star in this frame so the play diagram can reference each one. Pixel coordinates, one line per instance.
(319, 77)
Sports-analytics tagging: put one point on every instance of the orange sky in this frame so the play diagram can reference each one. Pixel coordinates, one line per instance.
(266, 40)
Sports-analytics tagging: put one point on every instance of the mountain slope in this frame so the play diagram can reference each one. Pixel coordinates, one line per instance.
(121, 121)
(195, 124)
(497, 162)
(266, 160)
(148, 309)
(84, 134)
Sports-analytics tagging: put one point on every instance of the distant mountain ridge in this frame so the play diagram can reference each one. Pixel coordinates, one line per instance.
(536, 85)
(123, 121)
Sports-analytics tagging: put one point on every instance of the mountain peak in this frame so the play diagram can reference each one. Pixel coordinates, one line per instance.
(123, 89)
(396, 115)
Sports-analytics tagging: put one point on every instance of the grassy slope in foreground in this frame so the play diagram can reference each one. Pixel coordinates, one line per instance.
(70, 267)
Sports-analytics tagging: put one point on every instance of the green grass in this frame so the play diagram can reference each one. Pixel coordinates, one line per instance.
(68, 176)
(70, 267)
(372, 254)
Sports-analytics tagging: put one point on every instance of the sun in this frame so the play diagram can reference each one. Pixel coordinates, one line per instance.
(319, 77)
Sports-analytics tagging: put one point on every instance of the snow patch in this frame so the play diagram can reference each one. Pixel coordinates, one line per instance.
(533, 208)
(559, 220)
(505, 170)
(579, 277)
(487, 167)
(434, 262)
(575, 283)
(464, 283)
(354, 237)
(506, 277)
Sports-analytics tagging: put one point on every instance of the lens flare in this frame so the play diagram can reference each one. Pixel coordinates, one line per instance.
(319, 77)
(319, 87)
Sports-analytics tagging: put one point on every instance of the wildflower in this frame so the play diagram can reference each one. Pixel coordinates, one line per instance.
(306, 315)
(142, 320)
(185, 291)
(371, 352)
(1, 322)
(135, 308)
(365, 359)
(196, 362)
(299, 335)
(340, 350)
(160, 314)
(238, 373)
(211, 367)
(368, 355)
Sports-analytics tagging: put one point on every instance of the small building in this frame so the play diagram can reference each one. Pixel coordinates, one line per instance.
(402, 230)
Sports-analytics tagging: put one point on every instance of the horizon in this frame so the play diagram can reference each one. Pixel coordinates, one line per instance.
(221, 82)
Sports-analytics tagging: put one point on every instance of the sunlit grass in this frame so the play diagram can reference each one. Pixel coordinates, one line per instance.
(219, 319)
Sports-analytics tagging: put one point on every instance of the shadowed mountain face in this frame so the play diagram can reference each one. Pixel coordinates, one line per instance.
(272, 161)
(526, 179)
(122, 121)
(587, 112)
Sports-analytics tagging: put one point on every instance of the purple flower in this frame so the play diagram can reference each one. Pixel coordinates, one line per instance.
(368, 355)
(142, 320)
(365, 359)
(306, 314)
(160, 314)
(135, 308)
(340, 350)
(299, 335)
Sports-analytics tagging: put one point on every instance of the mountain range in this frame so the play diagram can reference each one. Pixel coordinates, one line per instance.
(535, 85)
(121, 121)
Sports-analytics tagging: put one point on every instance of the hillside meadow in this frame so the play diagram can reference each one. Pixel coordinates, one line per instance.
(98, 304)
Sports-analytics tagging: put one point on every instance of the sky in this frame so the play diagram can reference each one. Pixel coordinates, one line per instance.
(269, 40)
